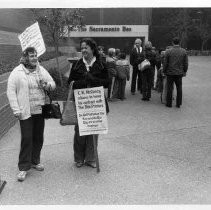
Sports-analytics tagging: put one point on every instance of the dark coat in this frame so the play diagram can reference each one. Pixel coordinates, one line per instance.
(111, 66)
(135, 57)
(150, 56)
(97, 76)
(175, 61)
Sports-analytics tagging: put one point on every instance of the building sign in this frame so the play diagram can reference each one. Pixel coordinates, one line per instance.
(110, 31)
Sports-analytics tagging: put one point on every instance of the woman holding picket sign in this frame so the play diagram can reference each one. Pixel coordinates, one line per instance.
(87, 72)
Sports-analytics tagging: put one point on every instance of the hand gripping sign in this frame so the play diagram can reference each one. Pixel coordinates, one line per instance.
(32, 37)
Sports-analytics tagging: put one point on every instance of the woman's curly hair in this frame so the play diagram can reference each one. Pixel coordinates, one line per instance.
(25, 56)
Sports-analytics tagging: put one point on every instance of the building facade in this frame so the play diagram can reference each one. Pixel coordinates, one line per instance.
(114, 27)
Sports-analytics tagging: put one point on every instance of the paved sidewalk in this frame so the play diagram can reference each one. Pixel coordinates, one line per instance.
(151, 155)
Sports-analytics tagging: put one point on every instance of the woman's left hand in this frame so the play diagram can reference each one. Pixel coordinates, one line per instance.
(47, 87)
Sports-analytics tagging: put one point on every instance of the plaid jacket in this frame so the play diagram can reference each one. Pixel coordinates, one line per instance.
(175, 61)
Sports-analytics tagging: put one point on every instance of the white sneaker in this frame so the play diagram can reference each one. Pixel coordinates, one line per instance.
(38, 167)
(21, 175)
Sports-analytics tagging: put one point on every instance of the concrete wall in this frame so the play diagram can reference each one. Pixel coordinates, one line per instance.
(7, 120)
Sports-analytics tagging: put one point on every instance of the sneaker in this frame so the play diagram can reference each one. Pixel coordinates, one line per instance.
(38, 167)
(21, 175)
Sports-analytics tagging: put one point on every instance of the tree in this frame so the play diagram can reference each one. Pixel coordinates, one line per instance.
(181, 24)
(203, 26)
(55, 23)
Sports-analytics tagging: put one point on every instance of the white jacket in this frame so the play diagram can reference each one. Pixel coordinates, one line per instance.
(18, 91)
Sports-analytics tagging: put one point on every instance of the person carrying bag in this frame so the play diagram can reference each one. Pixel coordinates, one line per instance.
(26, 99)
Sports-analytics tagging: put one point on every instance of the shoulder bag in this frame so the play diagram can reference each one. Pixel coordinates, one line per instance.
(69, 114)
(51, 110)
(144, 65)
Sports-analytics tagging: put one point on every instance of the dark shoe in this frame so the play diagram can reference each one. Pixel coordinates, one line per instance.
(79, 164)
(132, 93)
(122, 99)
(145, 99)
(178, 106)
(168, 106)
(91, 164)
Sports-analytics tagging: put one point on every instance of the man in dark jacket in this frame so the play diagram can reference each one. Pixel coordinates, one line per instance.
(136, 57)
(175, 67)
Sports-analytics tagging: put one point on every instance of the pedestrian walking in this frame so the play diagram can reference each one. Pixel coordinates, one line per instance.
(153, 69)
(136, 57)
(115, 92)
(123, 74)
(87, 72)
(112, 73)
(175, 67)
(147, 74)
(25, 91)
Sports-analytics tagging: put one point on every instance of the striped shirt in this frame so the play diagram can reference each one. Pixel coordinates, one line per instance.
(36, 93)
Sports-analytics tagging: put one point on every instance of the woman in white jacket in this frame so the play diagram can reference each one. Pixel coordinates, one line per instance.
(25, 91)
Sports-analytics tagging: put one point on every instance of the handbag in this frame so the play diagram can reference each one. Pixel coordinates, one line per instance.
(69, 114)
(51, 110)
(144, 65)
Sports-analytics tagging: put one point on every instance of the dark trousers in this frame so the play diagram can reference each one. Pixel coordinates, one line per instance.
(136, 73)
(109, 87)
(152, 77)
(177, 79)
(146, 83)
(32, 130)
(122, 85)
(83, 147)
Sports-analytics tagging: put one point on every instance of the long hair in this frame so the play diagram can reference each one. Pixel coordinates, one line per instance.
(92, 45)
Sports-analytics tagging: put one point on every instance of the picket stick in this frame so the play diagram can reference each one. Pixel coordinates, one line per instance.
(96, 153)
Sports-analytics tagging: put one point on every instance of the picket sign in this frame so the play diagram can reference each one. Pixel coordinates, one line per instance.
(91, 114)
(32, 37)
